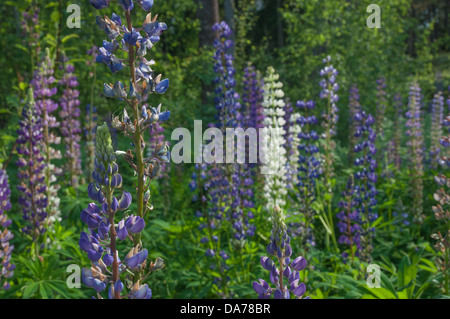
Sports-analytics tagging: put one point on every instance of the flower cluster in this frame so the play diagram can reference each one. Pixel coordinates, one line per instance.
(350, 222)
(252, 98)
(381, 105)
(329, 92)
(31, 165)
(110, 269)
(274, 142)
(29, 24)
(442, 213)
(415, 143)
(100, 243)
(226, 98)
(330, 118)
(365, 179)
(279, 247)
(42, 81)
(70, 125)
(6, 267)
(309, 168)
(354, 107)
(437, 116)
(114, 29)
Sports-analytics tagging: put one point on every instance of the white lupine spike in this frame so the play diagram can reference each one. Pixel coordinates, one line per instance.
(275, 183)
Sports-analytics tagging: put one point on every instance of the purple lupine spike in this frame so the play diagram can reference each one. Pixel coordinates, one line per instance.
(31, 163)
(437, 116)
(354, 107)
(329, 120)
(360, 211)
(285, 276)
(42, 83)
(415, 144)
(133, 90)
(441, 210)
(29, 23)
(70, 125)
(6, 267)
(349, 222)
(309, 170)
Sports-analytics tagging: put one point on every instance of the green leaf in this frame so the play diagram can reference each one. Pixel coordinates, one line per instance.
(21, 47)
(68, 37)
(43, 290)
(23, 86)
(30, 289)
(54, 16)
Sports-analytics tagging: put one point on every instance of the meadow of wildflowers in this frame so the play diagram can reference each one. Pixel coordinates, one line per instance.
(321, 155)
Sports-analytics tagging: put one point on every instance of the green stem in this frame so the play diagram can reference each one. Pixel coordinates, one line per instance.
(112, 245)
(137, 140)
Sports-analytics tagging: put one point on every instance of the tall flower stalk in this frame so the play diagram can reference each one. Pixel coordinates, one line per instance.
(70, 125)
(442, 215)
(91, 114)
(31, 163)
(43, 91)
(415, 144)
(6, 267)
(102, 240)
(354, 107)
(275, 152)
(309, 168)
(329, 122)
(349, 223)
(284, 273)
(365, 180)
(437, 116)
(125, 38)
(330, 117)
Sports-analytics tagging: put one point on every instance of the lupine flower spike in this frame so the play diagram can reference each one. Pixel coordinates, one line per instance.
(415, 143)
(437, 116)
(309, 170)
(140, 83)
(70, 125)
(42, 81)
(273, 142)
(6, 267)
(284, 273)
(31, 163)
(442, 213)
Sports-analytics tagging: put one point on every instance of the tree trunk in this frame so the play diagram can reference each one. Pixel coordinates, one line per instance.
(208, 14)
